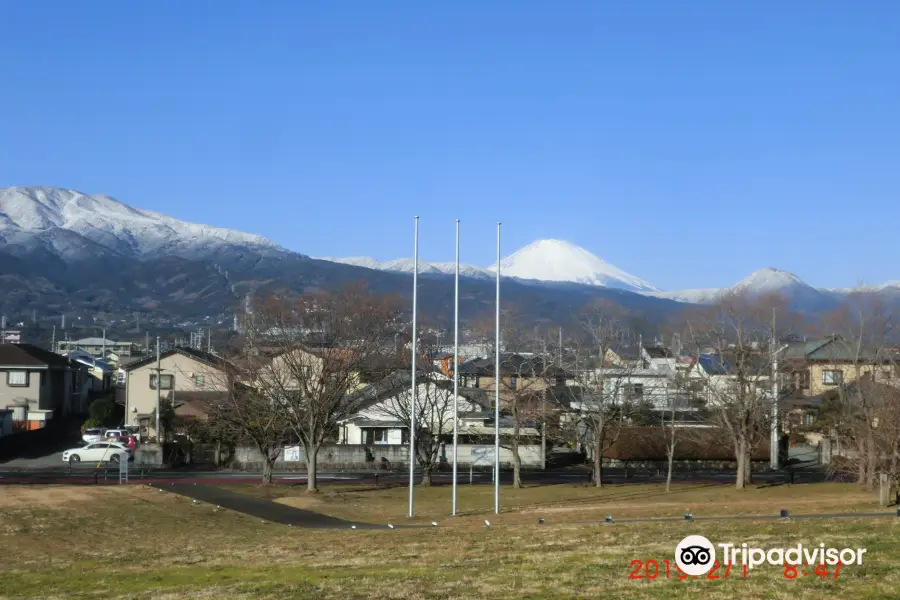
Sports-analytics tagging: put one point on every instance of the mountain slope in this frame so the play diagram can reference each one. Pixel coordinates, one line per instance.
(27, 212)
(799, 294)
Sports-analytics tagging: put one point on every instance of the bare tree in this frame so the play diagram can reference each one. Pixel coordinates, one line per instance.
(732, 343)
(323, 346)
(246, 413)
(863, 410)
(433, 416)
(604, 404)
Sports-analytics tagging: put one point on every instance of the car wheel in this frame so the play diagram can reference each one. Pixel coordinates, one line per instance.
(115, 458)
(74, 458)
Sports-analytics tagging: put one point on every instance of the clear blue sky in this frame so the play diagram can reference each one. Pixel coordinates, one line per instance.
(686, 142)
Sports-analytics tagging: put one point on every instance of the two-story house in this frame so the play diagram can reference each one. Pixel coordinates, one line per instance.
(812, 368)
(180, 370)
(517, 372)
(38, 385)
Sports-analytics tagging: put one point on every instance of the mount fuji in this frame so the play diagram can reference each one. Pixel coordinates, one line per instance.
(543, 261)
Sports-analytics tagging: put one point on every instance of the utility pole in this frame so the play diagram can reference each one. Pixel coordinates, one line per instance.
(209, 340)
(53, 340)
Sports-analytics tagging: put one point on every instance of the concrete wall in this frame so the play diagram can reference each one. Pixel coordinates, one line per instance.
(359, 457)
(148, 454)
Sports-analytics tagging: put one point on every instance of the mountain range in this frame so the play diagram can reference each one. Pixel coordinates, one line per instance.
(63, 251)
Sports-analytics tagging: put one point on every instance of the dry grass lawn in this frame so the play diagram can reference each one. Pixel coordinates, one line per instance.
(138, 543)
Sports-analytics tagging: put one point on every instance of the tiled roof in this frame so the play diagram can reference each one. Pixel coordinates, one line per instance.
(27, 355)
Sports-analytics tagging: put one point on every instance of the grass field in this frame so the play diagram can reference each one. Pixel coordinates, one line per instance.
(136, 542)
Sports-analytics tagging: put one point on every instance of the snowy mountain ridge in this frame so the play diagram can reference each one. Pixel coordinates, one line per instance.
(53, 215)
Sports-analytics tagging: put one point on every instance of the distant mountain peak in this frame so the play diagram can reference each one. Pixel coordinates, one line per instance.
(562, 261)
(769, 279)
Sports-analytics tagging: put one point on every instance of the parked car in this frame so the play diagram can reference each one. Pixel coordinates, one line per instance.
(129, 441)
(93, 434)
(115, 433)
(97, 452)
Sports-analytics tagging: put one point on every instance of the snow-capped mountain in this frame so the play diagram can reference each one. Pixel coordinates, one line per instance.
(561, 261)
(407, 265)
(542, 261)
(66, 222)
(762, 281)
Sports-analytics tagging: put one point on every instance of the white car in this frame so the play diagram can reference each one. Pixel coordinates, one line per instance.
(114, 433)
(93, 434)
(97, 452)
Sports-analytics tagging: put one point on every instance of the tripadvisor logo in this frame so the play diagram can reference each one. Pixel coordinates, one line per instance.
(696, 555)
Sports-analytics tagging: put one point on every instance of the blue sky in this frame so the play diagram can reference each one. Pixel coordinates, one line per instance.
(686, 142)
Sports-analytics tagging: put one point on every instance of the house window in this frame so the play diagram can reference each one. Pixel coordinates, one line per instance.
(802, 379)
(200, 380)
(166, 382)
(832, 377)
(634, 391)
(17, 378)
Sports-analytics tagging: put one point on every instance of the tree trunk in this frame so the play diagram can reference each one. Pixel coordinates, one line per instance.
(517, 460)
(741, 455)
(871, 460)
(671, 465)
(426, 475)
(268, 468)
(598, 459)
(312, 458)
(217, 454)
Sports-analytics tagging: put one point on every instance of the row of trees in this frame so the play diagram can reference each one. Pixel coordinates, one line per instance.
(295, 371)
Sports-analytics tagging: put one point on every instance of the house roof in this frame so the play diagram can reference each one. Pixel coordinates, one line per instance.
(830, 349)
(202, 356)
(511, 364)
(93, 341)
(714, 364)
(27, 355)
(657, 352)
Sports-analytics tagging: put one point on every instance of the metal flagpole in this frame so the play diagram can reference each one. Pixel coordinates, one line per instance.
(412, 412)
(455, 367)
(158, 389)
(497, 389)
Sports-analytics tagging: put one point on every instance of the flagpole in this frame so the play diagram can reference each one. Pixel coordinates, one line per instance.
(497, 389)
(412, 412)
(455, 367)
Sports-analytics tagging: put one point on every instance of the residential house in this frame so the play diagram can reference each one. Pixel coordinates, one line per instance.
(180, 370)
(102, 374)
(812, 368)
(96, 346)
(380, 419)
(517, 372)
(713, 376)
(379, 416)
(38, 385)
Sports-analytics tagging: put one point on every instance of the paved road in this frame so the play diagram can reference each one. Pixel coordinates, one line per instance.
(262, 508)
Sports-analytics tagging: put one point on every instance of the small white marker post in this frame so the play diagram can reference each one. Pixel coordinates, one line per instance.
(123, 469)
